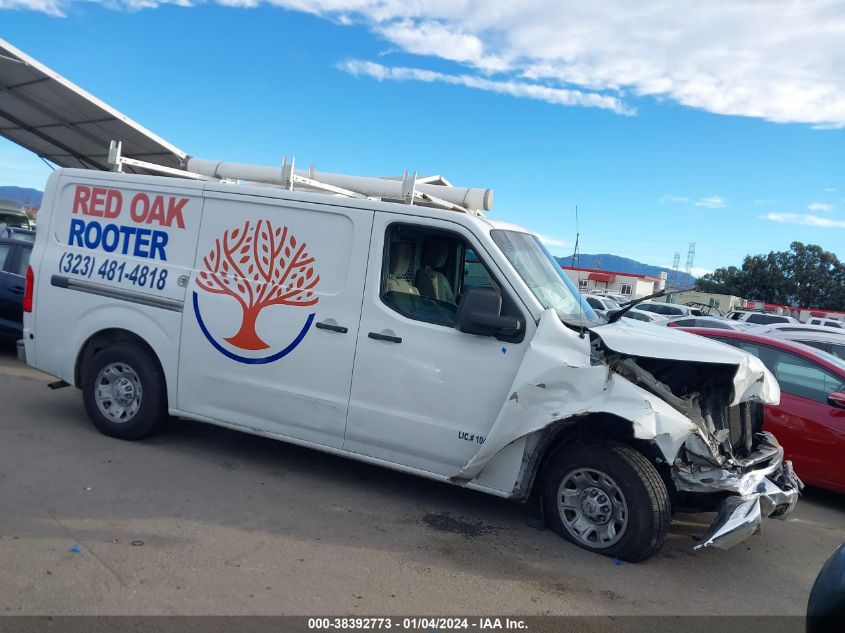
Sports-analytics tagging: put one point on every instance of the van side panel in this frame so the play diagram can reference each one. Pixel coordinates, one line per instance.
(113, 256)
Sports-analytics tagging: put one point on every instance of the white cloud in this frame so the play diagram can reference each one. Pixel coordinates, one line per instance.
(711, 202)
(553, 242)
(819, 206)
(830, 189)
(768, 59)
(668, 197)
(438, 40)
(805, 219)
(58, 8)
(700, 272)
(558, 96)
(50, 7)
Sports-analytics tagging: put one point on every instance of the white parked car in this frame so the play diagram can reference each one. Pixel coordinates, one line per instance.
(428, 340)
(825, 341)
(718, 323)
(826, 322)
(668, 310)
(760, 318)
(618, 298)
(798, 328)
(645, 317)
(602, 305)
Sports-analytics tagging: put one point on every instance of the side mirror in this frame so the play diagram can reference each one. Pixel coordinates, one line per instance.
(836, 399)
(480, 312)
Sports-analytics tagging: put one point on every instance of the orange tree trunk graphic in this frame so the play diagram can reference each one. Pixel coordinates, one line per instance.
(259, 265)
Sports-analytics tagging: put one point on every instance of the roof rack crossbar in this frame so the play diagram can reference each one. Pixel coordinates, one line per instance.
(118, 161)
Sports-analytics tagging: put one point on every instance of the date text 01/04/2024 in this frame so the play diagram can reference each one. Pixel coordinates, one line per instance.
(140, 275)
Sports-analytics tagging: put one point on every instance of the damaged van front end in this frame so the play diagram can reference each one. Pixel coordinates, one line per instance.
(727, 457)
(697, 404)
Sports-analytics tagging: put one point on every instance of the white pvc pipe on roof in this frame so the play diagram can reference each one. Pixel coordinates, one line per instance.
(471, 198)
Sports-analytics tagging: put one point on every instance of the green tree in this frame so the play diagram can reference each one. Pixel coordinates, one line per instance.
(804, 276)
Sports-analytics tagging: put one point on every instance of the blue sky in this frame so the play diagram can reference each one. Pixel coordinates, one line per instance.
(660, 140)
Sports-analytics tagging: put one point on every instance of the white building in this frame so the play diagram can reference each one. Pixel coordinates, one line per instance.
(631, 285)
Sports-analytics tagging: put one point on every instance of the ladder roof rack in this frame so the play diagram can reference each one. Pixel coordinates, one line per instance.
(434, 191)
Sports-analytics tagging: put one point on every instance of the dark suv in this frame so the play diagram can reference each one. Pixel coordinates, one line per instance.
(15, 249)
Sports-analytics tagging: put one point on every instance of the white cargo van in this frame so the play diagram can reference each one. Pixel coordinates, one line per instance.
(429, 340)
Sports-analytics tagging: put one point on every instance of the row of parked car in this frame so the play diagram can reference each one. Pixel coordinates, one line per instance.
(15, 248)
(808, 360)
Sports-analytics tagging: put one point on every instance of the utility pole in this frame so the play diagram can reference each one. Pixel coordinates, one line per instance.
(690, 257)
(577, 237)
(675, 263)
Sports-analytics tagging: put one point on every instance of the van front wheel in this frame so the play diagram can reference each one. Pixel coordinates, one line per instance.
(607, 498)
(123, 391)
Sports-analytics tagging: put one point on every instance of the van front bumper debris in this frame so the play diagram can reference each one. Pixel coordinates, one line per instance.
(758, 486)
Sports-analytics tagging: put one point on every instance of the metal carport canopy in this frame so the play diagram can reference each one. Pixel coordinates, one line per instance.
(47, 114)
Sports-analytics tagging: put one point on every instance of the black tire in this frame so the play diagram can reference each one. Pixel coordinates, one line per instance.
(151, 410)
(643, 504)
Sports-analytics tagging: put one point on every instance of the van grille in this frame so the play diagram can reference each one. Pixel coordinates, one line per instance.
(745, 415)
(735, 419)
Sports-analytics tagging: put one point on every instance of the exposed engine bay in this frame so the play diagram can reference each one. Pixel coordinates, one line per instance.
(728, 453)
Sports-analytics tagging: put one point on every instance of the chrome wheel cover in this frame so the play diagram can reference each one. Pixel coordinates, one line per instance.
(592, 508)
(117, 392)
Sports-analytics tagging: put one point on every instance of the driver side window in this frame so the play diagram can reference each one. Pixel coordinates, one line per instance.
(426, 272)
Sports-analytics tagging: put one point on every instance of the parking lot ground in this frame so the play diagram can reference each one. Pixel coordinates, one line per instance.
(203, 520)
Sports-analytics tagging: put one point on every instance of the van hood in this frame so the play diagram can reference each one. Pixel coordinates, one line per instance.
(752, 381)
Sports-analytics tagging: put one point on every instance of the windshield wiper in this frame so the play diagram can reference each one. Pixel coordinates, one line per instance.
(615, 316)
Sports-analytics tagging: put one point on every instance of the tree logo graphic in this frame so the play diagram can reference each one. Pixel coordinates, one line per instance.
(258, 265)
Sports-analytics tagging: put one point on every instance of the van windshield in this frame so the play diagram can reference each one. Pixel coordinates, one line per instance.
(544, 277)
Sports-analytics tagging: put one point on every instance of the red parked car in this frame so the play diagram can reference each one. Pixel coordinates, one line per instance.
(809, 422)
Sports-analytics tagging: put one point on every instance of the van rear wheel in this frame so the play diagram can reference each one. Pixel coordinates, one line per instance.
(124, 392)
(607, 498)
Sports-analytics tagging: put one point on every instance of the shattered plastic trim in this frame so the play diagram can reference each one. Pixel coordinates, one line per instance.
(741, 516)
(772, 488)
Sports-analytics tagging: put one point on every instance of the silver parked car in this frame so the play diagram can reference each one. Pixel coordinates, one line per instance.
(830, 343)
(669, 310)
(716, 323)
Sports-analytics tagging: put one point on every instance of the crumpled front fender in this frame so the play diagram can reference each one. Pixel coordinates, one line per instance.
(556, 381)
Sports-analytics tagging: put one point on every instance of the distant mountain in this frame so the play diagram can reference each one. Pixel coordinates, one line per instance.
(618, 264)
(22, 196)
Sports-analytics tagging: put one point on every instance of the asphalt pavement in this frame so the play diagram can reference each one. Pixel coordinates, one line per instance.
(204, 520)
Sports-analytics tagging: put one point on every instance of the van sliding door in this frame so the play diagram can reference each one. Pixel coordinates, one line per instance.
(272, 314)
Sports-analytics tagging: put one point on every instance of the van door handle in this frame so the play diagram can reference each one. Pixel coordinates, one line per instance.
(331, 327)
(385, 337)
